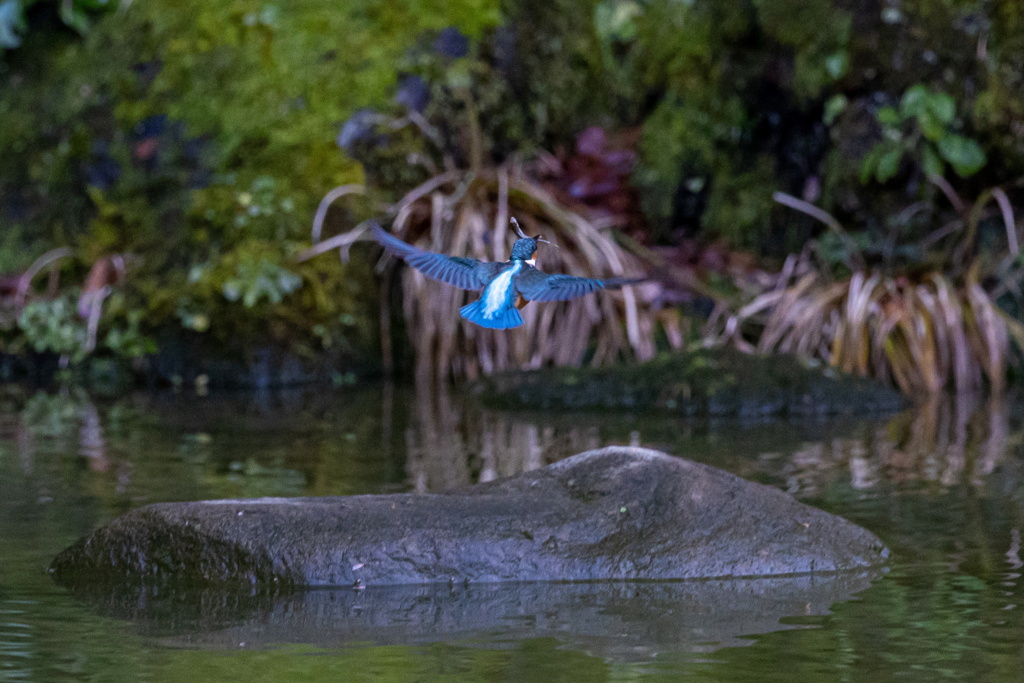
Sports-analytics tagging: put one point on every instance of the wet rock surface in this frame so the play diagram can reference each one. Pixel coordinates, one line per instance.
(709, 382)
(615, 513)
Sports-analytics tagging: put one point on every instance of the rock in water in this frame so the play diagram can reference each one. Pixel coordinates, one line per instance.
(614, 513)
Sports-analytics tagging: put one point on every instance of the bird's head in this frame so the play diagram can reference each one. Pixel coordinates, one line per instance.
(525, 247)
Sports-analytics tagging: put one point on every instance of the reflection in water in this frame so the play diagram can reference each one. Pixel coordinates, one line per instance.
(945, 441)
(451, 442)
(943, 484)
(615, 620)
(93, 446)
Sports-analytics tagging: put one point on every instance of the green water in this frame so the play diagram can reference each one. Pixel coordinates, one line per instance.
(941, 484)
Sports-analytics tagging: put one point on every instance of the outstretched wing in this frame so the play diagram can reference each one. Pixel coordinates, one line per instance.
(537, 286)
(464, 273)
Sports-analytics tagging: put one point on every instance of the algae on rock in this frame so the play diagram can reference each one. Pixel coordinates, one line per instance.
(708, 382)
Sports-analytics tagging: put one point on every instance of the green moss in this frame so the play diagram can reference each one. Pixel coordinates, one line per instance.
(755, 97)
(705, 382)
(712, 149)
(201, 137)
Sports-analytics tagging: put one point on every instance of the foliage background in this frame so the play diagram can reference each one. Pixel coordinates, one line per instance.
(200, 137)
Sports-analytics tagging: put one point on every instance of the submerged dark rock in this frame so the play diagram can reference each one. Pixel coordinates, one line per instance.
(616, 513)
(708, 382)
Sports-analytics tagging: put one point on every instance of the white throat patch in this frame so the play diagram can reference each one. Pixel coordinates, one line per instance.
(497, 293)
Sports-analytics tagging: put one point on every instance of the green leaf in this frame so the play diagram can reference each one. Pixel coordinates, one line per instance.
(888, 116)
(942, 106)
(913, 102)
(836, 64)
(74, 16)
(965, 155)
(12, 22)
(459, 74)
(615, 20)
(931, 161)
(834, 106)
(232, 290)
(870, 163)
(888, 164)
(931, 127)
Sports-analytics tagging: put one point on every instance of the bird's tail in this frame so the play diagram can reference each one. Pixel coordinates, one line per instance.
(504, 318)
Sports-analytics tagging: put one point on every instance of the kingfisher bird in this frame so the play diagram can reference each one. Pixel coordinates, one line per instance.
(507, 286)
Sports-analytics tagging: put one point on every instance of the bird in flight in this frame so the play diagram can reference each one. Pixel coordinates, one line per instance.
(506, 286)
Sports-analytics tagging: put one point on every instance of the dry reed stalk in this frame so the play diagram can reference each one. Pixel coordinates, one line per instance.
(465, 213)
(924, 336)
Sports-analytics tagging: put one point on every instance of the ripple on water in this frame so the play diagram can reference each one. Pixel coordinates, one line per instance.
(941, 484)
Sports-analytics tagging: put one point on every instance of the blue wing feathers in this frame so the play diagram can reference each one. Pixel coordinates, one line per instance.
(464, 273)
(444, 268)
(504, 318)
(393, 245)
(467, 273)
(537, 286)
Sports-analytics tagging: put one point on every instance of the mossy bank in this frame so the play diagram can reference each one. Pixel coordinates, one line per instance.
(709, 382)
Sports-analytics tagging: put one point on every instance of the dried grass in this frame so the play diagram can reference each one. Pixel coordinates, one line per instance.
(466, 213)
(930, 332)
(924, 336)
(940, 330)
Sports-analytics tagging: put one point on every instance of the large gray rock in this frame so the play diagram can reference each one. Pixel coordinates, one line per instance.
(615, 513)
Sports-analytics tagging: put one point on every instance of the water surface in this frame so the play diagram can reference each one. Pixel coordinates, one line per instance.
(941, 484)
